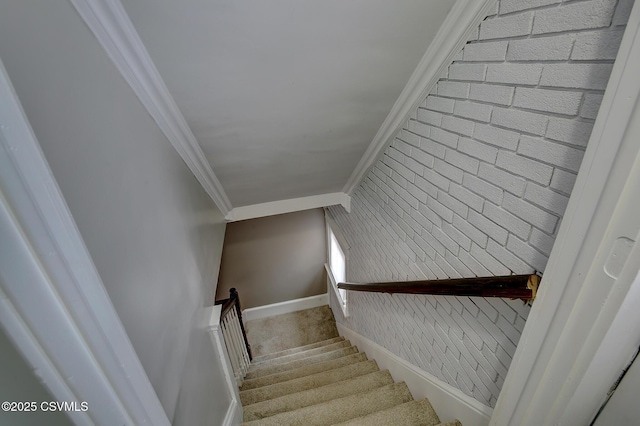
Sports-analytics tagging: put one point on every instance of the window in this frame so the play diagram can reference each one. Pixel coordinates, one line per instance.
(337, 265)
(337, 262)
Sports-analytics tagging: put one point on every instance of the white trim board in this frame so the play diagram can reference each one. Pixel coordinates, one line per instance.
(54, 306)
(464, 17)
(582, 329)
(286, 307)
(234, 411)
(288, 206)
(111, 25)
(449, 402)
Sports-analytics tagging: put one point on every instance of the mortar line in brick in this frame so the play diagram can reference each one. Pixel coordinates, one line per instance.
(561, 143)
(487, 103)
(554, 114)
(509, 38)
(529, 86)
(551, 212)
(589, 61)
(537, 61)
(469, 119)
(522, 132)
(564, 169)
(533, 8)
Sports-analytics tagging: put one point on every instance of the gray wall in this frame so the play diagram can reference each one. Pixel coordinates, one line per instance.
(154, 235)
(476, 184)
(274, 259)
(18, 383)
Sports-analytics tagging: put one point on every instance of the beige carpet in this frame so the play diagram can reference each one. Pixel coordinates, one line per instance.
(304, 374)
(291, 330)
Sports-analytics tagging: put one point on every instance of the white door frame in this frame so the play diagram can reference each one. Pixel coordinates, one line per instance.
(583, 327)
(53, 304)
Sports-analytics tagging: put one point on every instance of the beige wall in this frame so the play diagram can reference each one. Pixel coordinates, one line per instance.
(274, 259)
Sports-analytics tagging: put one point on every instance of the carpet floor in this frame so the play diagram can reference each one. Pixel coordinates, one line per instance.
(313, 377)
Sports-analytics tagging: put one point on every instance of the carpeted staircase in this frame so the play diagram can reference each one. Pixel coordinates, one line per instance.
(326, 382)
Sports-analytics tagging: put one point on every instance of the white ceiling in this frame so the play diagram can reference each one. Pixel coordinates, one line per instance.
(284, 96)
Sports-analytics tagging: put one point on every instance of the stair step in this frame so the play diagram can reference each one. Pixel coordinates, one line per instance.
(342, 409)
(298, 349)
(290, 330)
(413, 413)
(303, 371)
(300, 384)
(301, 362)
(317, 395)
(299, 355)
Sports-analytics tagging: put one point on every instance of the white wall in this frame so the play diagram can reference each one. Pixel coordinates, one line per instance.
(476, 183)
(154, 235)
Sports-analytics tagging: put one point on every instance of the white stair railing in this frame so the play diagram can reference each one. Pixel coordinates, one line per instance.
(235, 338)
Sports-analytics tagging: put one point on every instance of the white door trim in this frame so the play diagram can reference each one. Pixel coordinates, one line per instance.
(53, 304)
(577, 338)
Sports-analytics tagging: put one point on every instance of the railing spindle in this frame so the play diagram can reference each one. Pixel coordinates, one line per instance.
(234, 335)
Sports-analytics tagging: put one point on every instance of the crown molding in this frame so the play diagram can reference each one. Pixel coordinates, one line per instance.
(464, 17)
(111, 25)
(287, 206)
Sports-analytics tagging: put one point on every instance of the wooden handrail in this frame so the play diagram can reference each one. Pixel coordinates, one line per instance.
(230, 303)
(227, 305)
(510, 286)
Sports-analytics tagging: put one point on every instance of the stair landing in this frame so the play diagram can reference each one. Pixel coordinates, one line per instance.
(286, 331)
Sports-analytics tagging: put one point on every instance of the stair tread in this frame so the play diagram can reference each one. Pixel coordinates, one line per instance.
(341, 409)
(317, 395)
(290, 330)
(276, 390)
(301, 362)
(297, 349)
(322, 381)
(412, 413)
(299, 355)
(306, 370)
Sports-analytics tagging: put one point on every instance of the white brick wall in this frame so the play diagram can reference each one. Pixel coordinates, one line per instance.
(476, 184)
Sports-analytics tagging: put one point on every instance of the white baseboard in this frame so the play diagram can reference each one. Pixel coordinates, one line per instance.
(285, 307)
(449, 402)
(234, 415)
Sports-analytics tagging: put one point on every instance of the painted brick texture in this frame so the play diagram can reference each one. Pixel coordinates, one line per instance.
(476, 184)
